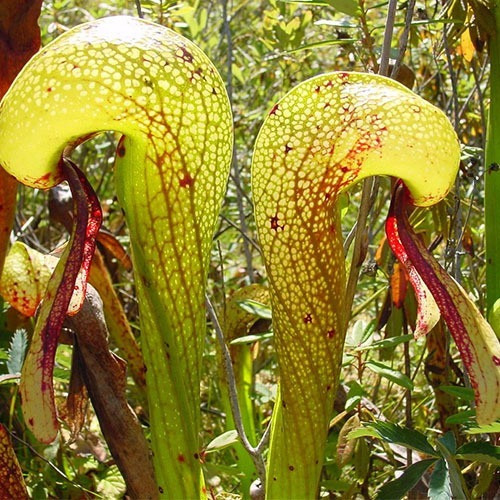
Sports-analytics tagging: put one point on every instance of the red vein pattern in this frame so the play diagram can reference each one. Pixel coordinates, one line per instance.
(326, 134)
(36, 379)
(478, 345)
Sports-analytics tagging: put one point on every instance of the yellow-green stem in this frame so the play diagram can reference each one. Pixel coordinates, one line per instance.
(492, 174)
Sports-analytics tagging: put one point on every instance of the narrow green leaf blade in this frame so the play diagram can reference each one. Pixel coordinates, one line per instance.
(439, 485)
(465, 393)
(390, 374)
(462, 417)
(249, 339)
(349, 7)
(481, 451)
(448, 440)
(388, 343)
(394, 490)
(410, 438)
(324, 43)
(485, 429)
(457, 481)
(223, 441)
(256, 308)
(363, 432)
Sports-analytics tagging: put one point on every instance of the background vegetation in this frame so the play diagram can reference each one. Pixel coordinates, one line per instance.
(262, 49)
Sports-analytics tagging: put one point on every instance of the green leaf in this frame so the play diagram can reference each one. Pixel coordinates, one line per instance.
(461, 417)
(457, 481)
(394, 490)
(17, 351)
(353, 396)
(349, 7)
(410, 438)
(212, 470)
(324, 43)
(223, 441)
(387, 343)
(480, 451)
(390, 374)
(485, 429)
(361, 460)
(363, 432)
(359, 334)
(439, 485)
(61, 374)
(448, 440)
(256, 308)
(112, 484)
(249, 339)
(238, 74)
(465, 393)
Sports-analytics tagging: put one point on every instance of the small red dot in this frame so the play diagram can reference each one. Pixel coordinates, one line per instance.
(275, 225)
(186, 181)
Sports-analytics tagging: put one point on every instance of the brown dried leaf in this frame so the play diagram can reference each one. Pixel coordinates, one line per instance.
(116, 320)
(345, 446)
(105, 377)
(75, 407)
(399, 285)
(11, 477)
(115, 248)
(468, 242)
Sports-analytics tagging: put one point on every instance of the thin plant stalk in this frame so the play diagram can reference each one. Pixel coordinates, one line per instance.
(234, 162)
(370, 185)
(255, 452)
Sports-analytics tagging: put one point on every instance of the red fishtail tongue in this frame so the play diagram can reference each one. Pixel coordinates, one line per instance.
(87, 215)
(479, 348)
(36, 381)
